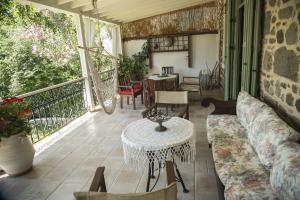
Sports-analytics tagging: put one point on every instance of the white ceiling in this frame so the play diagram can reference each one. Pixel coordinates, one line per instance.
(119, 11)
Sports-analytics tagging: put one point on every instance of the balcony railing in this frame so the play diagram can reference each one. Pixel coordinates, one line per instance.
(54, 107)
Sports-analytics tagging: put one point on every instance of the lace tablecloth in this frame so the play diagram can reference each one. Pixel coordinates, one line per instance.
(143, 145)
(158, 78)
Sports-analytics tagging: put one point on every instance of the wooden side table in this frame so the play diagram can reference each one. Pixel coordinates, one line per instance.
(156, 83)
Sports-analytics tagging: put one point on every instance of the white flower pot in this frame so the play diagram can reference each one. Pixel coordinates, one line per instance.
(16, 154)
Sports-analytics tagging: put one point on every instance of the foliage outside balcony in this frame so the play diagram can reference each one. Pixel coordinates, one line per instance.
(38, 48)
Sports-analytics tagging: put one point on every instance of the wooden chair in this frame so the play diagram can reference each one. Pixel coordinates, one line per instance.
(170, 70)
(170, 99)
(167, 70)
(98, 189)
(192, 84)
(149, 87)
(131, 89)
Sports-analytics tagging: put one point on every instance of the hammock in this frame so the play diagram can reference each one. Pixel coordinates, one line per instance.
(105, 83)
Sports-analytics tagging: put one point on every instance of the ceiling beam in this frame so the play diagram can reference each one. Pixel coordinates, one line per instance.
(51, 4)
(130, 18)
(116, 11)
(60, 2)
(140, 14)
(79, 3)
(145, 6)
(160, 7)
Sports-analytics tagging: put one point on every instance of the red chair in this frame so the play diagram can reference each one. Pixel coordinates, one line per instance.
(130, 89)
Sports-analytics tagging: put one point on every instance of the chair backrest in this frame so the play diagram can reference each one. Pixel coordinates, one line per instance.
(123, 80)
(171, 97)
(167, 70)
(168, 193)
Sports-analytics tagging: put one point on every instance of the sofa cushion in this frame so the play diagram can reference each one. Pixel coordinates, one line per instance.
(220, 124)
(235, 160)
(247, 108)
(240, 170)
(285, 173)
(267, 132)
(250, 190)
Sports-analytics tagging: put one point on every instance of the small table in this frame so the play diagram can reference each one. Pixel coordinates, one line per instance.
(143, 146)
(157, 83)
(159, 78)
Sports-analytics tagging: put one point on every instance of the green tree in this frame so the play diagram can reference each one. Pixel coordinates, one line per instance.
(37, 49)
(31, 71)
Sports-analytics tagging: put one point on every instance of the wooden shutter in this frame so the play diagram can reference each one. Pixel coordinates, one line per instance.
(243, 74)
(247, 45)
(229, 48)
(256, 48)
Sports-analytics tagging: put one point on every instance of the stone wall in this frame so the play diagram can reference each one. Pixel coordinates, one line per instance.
(280, 69)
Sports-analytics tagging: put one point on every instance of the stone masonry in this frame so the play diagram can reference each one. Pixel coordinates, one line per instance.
(280, 69)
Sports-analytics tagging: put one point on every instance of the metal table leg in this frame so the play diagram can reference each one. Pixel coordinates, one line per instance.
(152, 170)
(151, 175)
(179, 178)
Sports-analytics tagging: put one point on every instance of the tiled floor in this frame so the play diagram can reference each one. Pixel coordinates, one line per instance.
(70, 163)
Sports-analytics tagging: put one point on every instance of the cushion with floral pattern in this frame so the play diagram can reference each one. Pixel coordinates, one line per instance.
(235, 160)
(267, 132)
(220, 124)
(253, 189)
(247, 108)
(285, 173)
(240, 170)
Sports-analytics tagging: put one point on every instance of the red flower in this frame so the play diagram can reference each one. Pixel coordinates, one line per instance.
(7, 101)
(11, 100)
(26, 110)
(16, 99)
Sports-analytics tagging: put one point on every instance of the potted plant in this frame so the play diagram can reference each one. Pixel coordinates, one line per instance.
(16, 151)
(135, 68)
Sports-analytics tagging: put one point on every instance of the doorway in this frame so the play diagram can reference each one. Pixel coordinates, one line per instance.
(241, 45)
(241, 54)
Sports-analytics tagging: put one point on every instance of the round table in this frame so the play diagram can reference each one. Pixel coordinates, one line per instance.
(158, 78)
(143, 146)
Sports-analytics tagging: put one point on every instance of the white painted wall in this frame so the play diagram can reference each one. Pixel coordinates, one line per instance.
(204, 50)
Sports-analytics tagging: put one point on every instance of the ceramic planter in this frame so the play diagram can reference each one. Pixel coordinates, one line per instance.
(16, 154)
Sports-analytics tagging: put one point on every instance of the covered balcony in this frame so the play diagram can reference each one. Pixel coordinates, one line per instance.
(235, 60)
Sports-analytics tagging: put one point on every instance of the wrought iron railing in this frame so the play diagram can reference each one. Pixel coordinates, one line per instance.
(54, 107)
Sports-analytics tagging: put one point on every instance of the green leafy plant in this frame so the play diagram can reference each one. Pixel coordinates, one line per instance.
(38, 48)
(135, 67)
(14, 114)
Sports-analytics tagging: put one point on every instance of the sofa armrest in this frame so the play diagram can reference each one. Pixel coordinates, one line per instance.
(221, 107)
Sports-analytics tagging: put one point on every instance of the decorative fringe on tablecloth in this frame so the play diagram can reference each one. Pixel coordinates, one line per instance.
(139, 159)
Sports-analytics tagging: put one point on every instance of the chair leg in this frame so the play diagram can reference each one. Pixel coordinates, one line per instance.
(142, 98)
(188, 115)
(121, 101)
(133, 102)
(127, 100)
(200, 90)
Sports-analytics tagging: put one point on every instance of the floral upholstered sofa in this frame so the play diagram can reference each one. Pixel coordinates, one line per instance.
(256, 153)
